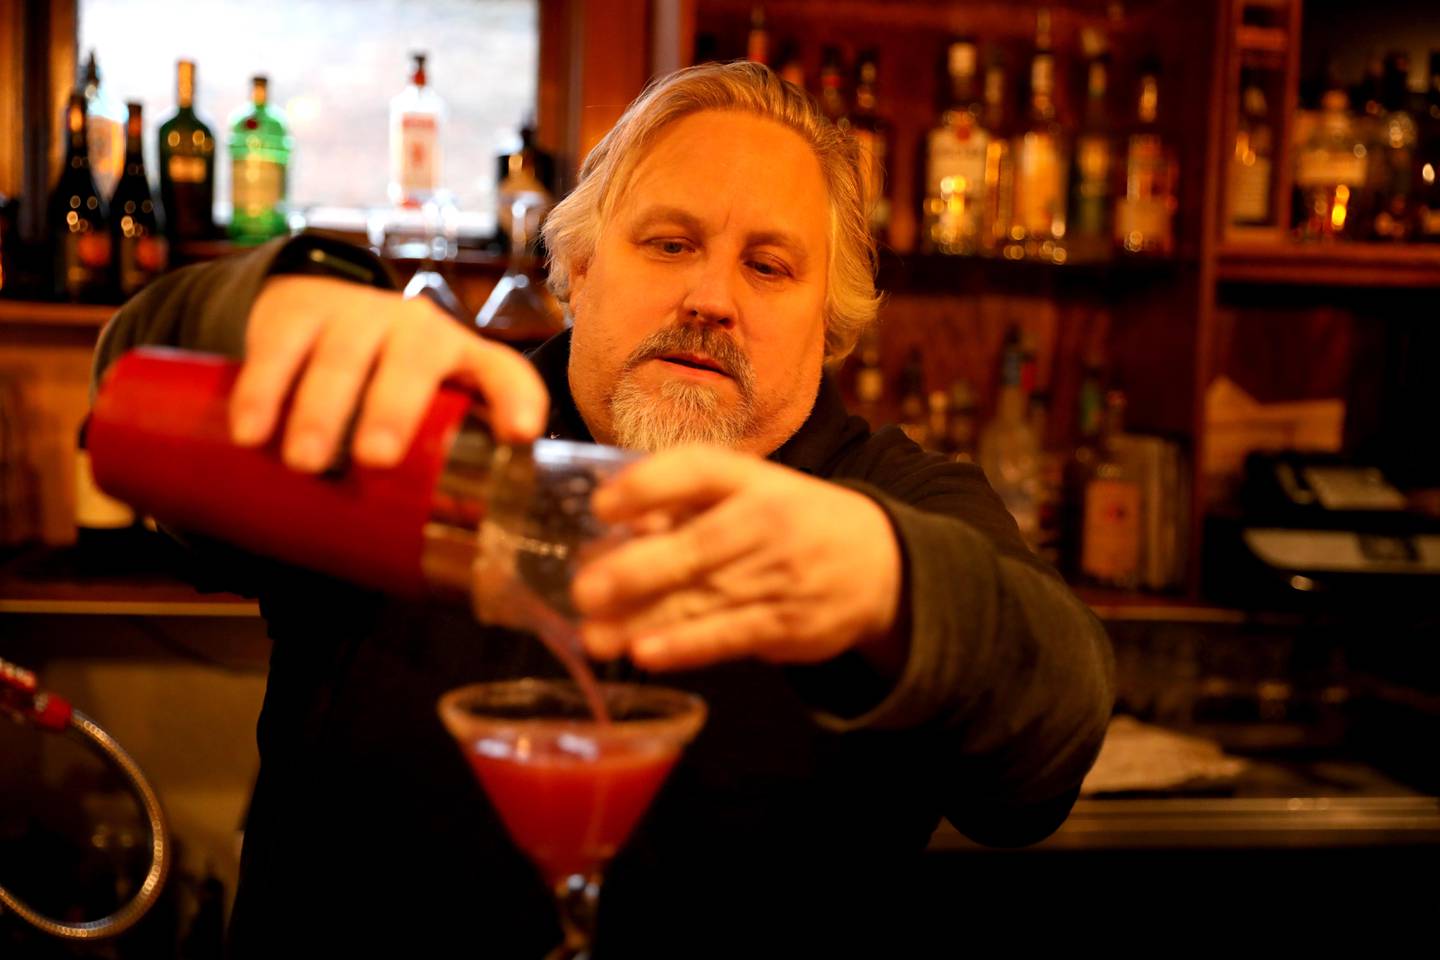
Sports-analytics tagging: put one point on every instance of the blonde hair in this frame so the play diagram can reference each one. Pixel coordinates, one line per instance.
(573, 228)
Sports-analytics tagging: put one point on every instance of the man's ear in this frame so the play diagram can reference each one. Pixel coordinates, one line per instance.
(579, 273)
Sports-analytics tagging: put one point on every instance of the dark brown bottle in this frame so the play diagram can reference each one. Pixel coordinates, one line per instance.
(80, 240)
(135, 222)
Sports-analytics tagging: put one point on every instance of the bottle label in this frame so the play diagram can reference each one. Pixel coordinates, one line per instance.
(141, 260)
(258, 186)
(185, 169)
(1038, 193)
(1250, 191)
(955, 187)
(1111, 537)
(1092, 187)
(419, 170)
(1322, 168)
(1143, 216)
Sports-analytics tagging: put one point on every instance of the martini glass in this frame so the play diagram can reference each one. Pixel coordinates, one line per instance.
(568, 788)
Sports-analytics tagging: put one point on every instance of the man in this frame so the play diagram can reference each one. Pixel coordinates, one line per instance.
(876, 645)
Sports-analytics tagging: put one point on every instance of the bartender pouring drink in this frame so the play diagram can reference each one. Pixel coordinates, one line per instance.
(877, 647)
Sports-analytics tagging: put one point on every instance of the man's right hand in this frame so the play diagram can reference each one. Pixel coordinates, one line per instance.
(332, 334)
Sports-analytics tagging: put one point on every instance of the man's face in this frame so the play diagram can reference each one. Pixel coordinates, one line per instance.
(701, 315)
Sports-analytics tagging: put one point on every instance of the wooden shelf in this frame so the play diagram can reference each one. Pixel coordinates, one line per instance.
(25, 313)
(1126, 606)
(938, 273)
(1335, 265)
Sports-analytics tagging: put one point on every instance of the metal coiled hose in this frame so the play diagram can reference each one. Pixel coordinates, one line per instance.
(123, 919)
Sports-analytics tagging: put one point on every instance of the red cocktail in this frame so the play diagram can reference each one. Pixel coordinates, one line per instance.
(568, 788)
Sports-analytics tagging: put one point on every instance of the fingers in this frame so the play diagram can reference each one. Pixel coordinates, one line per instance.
(338, 367)
(274, 352)
(650, 565)
(686, 477)
(701, 641)
(338, 334)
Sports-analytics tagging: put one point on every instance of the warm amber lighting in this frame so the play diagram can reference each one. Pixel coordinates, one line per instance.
(1338, 212)
(1427, 173)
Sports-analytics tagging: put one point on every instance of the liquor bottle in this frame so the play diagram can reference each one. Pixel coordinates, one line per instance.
(832, 87)
(999, 203)
(1110, 540)
(964, 421)
(187, 165)
(260, 149)
(78, 229)
(953, 210)
(1080, 465)
(1041, 164)
(1427, 168)
(1392, 161)
(1145, 213)
(1088, 229)
(1049, 479)
(872, 134)
(912, 398)
(757, 41)
(416, 116)
(135, 222)
(789, 64)
(1330, 171)
(937, 424)
(1009, 453)
(525, 176)
(105, 131)
(1252, 164)
(869, 380)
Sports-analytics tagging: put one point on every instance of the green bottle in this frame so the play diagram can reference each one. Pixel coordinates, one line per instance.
(259, 155)
(187, 165)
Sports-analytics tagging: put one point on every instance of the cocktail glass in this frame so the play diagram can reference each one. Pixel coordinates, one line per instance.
(568, 788)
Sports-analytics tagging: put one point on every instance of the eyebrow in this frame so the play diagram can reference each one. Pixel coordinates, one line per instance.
(688, 221)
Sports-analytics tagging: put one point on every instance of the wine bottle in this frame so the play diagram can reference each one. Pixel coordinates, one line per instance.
(187, 165)
(79, 237)
(139, 247)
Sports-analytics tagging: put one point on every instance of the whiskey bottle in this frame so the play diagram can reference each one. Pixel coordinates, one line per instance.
(953, 212)
(1145, 213)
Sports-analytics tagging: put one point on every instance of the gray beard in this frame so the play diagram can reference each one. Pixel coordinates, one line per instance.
(682, 413)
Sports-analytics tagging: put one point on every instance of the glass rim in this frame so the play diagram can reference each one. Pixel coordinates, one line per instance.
(680, 726)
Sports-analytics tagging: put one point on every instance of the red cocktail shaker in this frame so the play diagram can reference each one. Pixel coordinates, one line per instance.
(159, 439)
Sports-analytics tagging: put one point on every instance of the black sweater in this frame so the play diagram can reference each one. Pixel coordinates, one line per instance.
(802, 803)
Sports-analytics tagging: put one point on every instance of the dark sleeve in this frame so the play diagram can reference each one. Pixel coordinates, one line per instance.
(1007, 668)
(206, 307)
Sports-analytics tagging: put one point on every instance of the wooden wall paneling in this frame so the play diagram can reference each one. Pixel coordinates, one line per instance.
(12, 97)
(613, 59)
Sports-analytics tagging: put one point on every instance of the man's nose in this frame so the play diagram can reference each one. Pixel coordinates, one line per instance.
(711, 296)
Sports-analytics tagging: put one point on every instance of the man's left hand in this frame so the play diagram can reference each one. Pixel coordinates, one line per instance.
(737, 557)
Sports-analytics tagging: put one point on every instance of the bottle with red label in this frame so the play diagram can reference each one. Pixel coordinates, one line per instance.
(80, 238)
(416, 116)
(1110, 537)
(135, 222)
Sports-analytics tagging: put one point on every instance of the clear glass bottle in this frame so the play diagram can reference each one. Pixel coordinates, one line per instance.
(1330, 173)
(1009, 452)
(1092, 175)
(1427, 167)
(999, 204)
(105, 133)
(187, 165)
(139, 245)
(1041, 161)
(417, 115)
(260, 148)
(1252, 164)
(1393, 157)
(1145, 212)
(953, 212)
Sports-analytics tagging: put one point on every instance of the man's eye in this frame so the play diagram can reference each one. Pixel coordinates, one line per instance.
(670, 247)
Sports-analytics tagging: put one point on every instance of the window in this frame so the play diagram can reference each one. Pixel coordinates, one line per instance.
(333, 67)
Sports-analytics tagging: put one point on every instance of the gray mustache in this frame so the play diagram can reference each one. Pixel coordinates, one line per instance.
(703, 340)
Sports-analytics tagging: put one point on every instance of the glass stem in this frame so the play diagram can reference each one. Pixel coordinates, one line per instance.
(577, 897)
